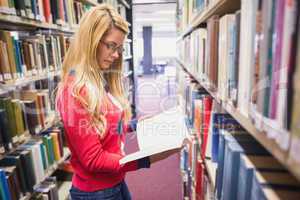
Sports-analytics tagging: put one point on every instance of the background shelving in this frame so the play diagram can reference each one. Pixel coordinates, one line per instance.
(229, 50)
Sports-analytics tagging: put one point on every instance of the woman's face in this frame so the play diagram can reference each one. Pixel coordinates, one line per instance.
(110, 47)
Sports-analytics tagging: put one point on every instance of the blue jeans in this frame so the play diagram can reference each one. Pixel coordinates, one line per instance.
(118, 192)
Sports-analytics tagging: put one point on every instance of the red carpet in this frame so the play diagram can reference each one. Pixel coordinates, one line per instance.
(162, 181)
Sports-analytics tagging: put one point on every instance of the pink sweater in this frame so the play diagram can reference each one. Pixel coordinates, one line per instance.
(95, 161)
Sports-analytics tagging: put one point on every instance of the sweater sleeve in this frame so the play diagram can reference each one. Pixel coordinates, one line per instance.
(85, 141)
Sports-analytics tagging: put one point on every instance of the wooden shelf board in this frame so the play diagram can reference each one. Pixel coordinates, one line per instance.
(127, 57)
(261, 136)
(63, 190)
(211, 171)
(22, 21)
(26, 80)
(92, 2)
(220, 8)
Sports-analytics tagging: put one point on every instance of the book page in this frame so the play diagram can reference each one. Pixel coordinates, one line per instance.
(159, 133)
(167, 127)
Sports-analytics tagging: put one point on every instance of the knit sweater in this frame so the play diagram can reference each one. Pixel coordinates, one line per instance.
(95, 160)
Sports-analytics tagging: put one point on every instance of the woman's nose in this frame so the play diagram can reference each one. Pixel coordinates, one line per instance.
(115, 54)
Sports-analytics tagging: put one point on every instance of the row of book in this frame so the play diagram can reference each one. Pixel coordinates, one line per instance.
(220, 140)
(22, 170)
(186, 11)
(60, 12)
(25, 54)
(46, 190)
(25, 110)
(248, 58)
(260, 176)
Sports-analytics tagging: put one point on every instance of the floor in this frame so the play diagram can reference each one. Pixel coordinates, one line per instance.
(162, 180)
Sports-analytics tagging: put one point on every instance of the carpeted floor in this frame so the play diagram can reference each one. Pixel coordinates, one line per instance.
(162, 181)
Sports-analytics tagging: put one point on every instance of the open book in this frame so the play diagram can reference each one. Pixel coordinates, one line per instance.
(160, 133)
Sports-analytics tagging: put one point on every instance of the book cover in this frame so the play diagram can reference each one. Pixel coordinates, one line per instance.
(26, 160)
(211, 68)
(4, 186)
(4, 130)
(246, 60)
(14, 160)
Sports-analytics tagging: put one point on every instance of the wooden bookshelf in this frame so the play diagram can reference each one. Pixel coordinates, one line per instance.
(51, 170)
(91, 2)
(11, 85)
(270, 144)
(218, 7)
(25, 137)
(26, 22)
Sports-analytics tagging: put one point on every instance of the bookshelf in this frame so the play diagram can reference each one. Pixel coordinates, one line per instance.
(27, 27)
(17, 21)
(218, 7)
(91, 2)
(55, 33)
(52, 169)
(27, 80)
(268, 143)
(213, 40)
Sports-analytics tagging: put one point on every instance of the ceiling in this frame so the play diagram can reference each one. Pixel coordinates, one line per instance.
(161, 16)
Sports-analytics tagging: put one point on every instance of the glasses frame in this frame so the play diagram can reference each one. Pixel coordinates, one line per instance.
(113, 48)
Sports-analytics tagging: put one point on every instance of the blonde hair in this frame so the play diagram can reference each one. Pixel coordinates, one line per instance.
(82, 57)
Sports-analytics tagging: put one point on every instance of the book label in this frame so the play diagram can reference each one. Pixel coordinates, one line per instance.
(2, 150)
(23, 13)
(15, 139)
(7, 76)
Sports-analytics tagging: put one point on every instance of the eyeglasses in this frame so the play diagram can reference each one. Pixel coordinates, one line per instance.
(112, 47)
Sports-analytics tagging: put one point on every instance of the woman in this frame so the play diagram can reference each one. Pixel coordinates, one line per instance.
(94, 109)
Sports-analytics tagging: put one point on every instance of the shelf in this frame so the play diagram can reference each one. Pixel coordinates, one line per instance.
(63, 190)
(270, 144)
(218, 7)
(124, 3)
(51, 170)
(127, 57)
(92, 2)
(211, 169)
(25, 137)
(11, 85)
(22, 21)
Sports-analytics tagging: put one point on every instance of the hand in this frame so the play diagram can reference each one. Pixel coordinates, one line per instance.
(163, 155)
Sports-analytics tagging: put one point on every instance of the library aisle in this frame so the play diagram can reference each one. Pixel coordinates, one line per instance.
(162, 180)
